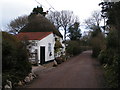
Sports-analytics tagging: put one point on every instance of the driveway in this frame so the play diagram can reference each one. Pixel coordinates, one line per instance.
(81, 71)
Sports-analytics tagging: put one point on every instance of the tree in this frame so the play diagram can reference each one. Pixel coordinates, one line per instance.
(63, 19)
(94, 21)
(74, 31)
(110, 56)
(17, 24)
(55, 19)
(85, 39)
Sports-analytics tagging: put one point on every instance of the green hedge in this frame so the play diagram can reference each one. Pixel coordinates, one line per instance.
(15, 64)
(110, 59)
(73, 48)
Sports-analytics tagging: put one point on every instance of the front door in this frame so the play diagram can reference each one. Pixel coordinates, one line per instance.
(42, 54)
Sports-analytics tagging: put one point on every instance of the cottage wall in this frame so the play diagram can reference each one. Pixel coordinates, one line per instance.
(45, 42)
(49, 53)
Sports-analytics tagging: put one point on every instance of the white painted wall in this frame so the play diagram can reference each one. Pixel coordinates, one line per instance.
(44, 42)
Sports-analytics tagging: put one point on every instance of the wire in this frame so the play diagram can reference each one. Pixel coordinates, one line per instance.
(50, 5)
(41, 4)
(44, 6)
(38, 2)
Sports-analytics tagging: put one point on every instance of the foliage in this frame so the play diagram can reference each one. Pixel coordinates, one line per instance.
(85, 40)
(110, 56)
(105, 57)
(113, 40)
(17, 24)
(60, 59)
(97, 39)
(15, 64)
(73, 48)
(74, 32)
(38, 10)
(58, 44)
(112, 76)
(111, 61)
(57, 47)
(97, 42)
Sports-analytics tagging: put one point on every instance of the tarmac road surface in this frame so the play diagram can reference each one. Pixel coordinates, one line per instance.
(81, 71)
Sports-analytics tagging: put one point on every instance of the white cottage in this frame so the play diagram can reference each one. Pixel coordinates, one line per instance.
(45, 40)
(42, 46)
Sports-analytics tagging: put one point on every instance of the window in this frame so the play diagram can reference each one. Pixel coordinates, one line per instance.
(49, 47)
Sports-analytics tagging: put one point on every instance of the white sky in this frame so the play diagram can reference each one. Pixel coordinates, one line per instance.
(10, 9)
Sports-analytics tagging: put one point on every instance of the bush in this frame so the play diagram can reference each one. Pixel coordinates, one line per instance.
(96, 51)
(60, 59)
(84, 48)
(112, 73)
(73, 48)
(107, 56)
(103, 57)
(111, 59)
(112, 40)
(97, 43)
(15, 64)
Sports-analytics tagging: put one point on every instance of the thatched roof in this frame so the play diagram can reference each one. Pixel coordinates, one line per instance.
(38, 23)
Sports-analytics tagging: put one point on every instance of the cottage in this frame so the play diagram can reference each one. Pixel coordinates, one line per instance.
(45, 41)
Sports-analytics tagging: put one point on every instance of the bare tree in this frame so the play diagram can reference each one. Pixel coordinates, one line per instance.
(54, 18)
(17, 24)
(62, 19)
(96, 38)
(67, 19)
(94, 20)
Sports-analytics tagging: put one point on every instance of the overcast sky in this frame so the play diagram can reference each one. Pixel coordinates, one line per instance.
(11, 9)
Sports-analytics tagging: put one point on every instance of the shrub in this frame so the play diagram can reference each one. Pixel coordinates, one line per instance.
(106, 56)
(111, 59)
(112, 40)
(60, 59)
(112, 73)
(73, 48)
(97, 43)
(84, 48)
(15, 64)
(102, 57)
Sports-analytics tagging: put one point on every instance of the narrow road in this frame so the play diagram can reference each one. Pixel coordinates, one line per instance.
(81, 71)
